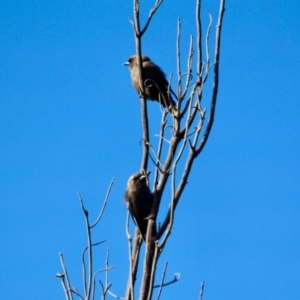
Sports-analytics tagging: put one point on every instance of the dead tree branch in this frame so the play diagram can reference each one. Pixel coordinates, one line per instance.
(189, 133)
(89, 278)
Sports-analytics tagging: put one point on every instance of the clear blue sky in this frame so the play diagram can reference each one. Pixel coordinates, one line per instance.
(70, 121)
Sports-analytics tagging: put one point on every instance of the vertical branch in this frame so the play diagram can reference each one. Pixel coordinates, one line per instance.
(62, 280)
(207, 42)
(160, 144)
(189, 68)
(144, 113)
(201, 290)
(162, 280)
(180, 136)
(216, 79)
(176, 120)
(134, 259)
(199, 38)
(87, 272)
(151, 222)
(152, 270)
(84, 270)
(106, 272)
(149, 263)
(178, 62)
(104, 203)
(90, 251)
(130, 279)
(66, 280)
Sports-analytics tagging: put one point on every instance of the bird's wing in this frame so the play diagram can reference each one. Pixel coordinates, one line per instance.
(131, 210)
(128, 202)
(155, 73)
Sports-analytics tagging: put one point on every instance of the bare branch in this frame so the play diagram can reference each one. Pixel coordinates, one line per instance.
(134, 259)
(66, 280)
(163, 138)
(167, 225)
(102, 289)
(201, 290)
(155, 161)
(199, 38)
(83, 262)
(62, 280)
(207, 41)
(152, 12)
(187, 104)
(177, 151)
(175, 279)
(87, 281)
(104, 204)
(76, 292)
(132, 23)
(189, 68)
(129, 238)
(160, 143)
(179, 90)
(106, 272)
(152, 258)
(115, 296)
(162, 281)
(216, 79)
(145, 125)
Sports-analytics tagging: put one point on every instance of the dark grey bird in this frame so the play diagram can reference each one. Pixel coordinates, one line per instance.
(139, 200)
(155, 82)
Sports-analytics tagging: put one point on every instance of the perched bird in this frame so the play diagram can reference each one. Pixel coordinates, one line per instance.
(155, 82)
(139, 200)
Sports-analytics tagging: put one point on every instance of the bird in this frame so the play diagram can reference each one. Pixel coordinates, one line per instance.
(139, 200)
(156, 85)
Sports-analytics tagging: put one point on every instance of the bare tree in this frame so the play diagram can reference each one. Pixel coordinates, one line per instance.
(88, 273)
(182, 136)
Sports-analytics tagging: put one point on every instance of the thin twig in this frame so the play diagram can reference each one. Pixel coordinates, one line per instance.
(62, 280)
(129, 238)
(83, 263)
(160, 144)
(104, 203)
(87, 282)
(216, 79)
(76, 292)
(107, 285)
(175, 279)
(199, 38)
(162, 280)
(207, 41)
(66, 279)
(155, 161)
(153, 269)
(144, 113)
(107, 289)
(152, 11)
(189, 68)
(201, 290)
(114, 295)
(179, 85)
(103, 290)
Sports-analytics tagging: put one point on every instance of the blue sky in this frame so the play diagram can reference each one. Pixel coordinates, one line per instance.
(70, 121)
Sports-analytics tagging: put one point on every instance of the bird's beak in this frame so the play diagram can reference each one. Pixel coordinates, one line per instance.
(126, 63)
(142, 177)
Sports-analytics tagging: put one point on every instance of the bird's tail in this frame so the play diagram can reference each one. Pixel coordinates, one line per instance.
(167, 101)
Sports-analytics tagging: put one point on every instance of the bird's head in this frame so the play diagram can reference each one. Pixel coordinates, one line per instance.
(137, 180)
(132, 61)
